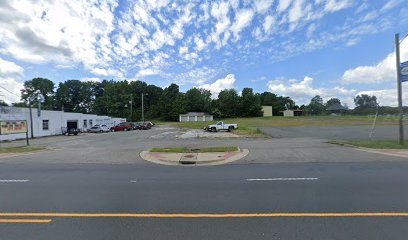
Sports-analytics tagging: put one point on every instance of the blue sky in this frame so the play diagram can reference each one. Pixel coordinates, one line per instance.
(296, 48)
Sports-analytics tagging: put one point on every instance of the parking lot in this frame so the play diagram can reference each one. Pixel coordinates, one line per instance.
(296, 144)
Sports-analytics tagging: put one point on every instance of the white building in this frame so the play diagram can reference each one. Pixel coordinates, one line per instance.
(267, 111)
(195, 117)
(52, 122)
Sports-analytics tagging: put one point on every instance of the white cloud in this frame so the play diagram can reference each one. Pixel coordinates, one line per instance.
(262, 6)
(183, 50)
(242, 20)
(220, 84)
(384, 71)
(391, 4)
(337, 5)
(388, 97)
(200, 44)
(267, 25)
(220, 12)
(107, 72)
(9, 69)
(283, 5)
(302, 91)
(59, 31)
(196, 76)
(148, 72)
(90, 79)
(10, 81)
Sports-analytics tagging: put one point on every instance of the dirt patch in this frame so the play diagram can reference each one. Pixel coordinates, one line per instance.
(203, 134)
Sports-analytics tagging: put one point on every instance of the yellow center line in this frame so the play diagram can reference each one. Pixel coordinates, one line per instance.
(25, 220)
(206, 215)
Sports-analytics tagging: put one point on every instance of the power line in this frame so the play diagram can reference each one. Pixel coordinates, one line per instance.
(9, 91)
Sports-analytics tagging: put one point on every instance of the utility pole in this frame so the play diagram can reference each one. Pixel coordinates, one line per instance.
(31, 118)
(131, 107)
(143, 106)
(401, 114)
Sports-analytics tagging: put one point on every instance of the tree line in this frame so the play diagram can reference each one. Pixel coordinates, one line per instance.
(119, 98)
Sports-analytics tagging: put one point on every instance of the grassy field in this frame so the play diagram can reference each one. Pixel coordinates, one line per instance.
(249, 126)
(194, 150)
(20, 149)
(377, 144)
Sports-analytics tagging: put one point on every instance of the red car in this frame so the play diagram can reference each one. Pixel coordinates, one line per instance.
(125, 126)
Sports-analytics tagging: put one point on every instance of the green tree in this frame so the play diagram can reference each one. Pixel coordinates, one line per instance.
(3, 103)
(250, 104)
(228, 103)
(43, 86)
(19, 104)
(268, 99)
(333, 101)
(75, 96)
(365, 101)
(173, 103)
(316, 106)
(198, 100)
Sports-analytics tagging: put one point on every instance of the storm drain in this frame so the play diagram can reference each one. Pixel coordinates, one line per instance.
(188, 158)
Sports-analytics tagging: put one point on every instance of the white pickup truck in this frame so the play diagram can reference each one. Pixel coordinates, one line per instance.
(221, 126)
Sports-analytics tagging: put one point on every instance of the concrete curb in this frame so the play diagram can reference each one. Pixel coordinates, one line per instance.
(194, 159)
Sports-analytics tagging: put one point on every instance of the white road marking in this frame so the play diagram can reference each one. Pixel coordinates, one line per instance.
(133, 181)
(281, 179)
(13, 180)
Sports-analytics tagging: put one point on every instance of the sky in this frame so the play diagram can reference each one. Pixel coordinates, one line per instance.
(295, 48)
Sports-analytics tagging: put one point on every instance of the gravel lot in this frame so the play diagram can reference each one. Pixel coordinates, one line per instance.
(124, 147)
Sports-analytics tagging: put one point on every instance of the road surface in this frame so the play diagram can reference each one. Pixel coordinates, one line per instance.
(43, 197)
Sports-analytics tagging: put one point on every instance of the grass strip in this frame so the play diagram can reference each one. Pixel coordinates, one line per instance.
(375, 144)
(195, 150)
(20, 149)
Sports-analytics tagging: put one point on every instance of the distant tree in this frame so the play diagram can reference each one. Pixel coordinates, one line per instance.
(278, 103)
(268, 99)
(42, 85)
(19, 104)
(333, 101)
(228, 103)
(365, 101)
(198, 100)
(250, 104)
(316, 106)
(172, 102)
(75, 96)
(3, 103)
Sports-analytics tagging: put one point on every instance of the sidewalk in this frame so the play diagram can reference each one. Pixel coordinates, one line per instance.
(213, 158)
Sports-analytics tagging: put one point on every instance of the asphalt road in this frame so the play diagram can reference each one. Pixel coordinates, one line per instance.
(103, 188)
(102, 174)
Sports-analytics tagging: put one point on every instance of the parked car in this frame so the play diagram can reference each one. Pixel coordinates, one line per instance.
(221, 126)
(143, 125)
(99, 128)
(125, 126)
(68, 131)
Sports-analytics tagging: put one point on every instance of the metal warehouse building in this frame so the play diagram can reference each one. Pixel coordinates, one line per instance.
(49, 123)
(195, 117)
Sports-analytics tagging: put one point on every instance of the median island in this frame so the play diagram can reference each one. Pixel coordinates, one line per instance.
(194, 150)
(196, 156)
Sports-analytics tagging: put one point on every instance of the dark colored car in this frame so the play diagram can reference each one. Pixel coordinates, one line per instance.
(125, 126)
(143, 125)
